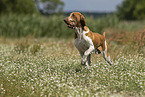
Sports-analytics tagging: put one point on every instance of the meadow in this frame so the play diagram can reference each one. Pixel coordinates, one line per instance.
(38, 58)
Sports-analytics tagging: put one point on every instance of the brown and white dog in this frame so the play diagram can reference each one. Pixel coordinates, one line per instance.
(86, 41)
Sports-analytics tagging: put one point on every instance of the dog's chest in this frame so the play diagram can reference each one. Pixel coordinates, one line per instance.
(84, 43)
(81, 45)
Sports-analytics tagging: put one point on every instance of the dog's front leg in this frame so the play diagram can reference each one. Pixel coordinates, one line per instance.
(86, 54)
(88, 62)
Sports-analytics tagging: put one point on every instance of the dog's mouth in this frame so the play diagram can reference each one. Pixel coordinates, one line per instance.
(69, 25)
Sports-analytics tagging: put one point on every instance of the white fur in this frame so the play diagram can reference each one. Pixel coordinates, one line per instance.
(70, 19)
(81, 44)
(84, 45)
(91, 45)
(104, 54)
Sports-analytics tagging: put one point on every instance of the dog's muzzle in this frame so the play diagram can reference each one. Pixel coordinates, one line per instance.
(69, 25)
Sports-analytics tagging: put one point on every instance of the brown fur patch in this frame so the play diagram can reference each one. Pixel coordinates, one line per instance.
(79, 19)
(98, 39)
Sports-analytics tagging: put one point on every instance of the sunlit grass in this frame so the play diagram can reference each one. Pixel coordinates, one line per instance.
(54, 70)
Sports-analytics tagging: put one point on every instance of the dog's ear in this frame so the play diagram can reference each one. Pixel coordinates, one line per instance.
(73, 14)
(82, 20)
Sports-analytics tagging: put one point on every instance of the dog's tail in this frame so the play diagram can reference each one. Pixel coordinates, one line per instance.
(104, 34)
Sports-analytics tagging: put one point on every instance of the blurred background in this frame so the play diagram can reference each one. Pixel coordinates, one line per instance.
(122, 20)
(44, 18)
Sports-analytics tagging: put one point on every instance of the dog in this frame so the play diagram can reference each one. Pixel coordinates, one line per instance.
(86, 41)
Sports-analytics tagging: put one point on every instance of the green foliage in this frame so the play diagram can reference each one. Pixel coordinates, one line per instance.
(139, 12)
(14, 25)
(18, 6)
(17, 25)
(132, 10)
(99, 24)
(31, 6)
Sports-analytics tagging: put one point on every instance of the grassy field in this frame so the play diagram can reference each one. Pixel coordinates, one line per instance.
(51, 67)
(38, 58)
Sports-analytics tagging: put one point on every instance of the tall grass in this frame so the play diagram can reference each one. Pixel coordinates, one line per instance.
(14, 25)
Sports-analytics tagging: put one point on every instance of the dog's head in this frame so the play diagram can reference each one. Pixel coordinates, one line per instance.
(75, 19)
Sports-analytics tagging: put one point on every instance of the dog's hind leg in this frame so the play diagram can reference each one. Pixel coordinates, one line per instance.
(105, 53)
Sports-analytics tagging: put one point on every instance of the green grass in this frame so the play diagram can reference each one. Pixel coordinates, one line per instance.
(51, 67)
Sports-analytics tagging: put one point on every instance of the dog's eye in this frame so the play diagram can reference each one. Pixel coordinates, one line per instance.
(71, 20)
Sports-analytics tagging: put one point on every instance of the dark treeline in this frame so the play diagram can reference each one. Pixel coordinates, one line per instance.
(91, 14)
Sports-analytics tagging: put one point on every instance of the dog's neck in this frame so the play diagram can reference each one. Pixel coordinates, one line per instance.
(78, 32)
